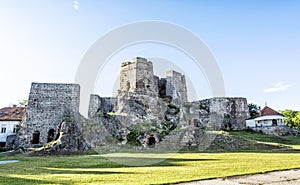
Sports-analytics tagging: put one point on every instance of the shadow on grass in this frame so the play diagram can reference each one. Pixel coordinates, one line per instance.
(153, 162)
(17, 181)
(123, 162)
(80, 172)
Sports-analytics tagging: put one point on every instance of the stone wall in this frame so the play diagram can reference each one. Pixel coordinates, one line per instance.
(97, 103)
(176, 87)
(277, 130)
(94, 105)
(47, 104)
(108, 104)
(137, 76)
(218, 113)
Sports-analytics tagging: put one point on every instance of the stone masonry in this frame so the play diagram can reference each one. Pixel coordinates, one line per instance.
(104, 104)
(160, 104)
(218, 113)
(50, 107)
(176, 87)
(137, 77)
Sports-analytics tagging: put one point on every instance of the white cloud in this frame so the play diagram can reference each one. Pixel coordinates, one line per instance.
(76, 5)
(278, 87)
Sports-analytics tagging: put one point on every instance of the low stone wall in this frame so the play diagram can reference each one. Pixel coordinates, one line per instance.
(277, 130)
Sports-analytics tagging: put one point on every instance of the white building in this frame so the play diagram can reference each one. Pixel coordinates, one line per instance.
(10, 119)
(267, 118)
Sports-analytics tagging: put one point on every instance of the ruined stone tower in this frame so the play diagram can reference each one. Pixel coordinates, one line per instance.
(52, 113)
(176, 87)
(137, 76)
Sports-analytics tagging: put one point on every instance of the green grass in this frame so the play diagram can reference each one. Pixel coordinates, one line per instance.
(97, 169)
(153, 168)
(292, 142)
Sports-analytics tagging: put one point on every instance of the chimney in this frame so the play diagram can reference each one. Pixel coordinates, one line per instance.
(259, 111)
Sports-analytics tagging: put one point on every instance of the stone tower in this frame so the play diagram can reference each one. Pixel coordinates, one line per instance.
(137, 76)
(176, 87)
(48, 106)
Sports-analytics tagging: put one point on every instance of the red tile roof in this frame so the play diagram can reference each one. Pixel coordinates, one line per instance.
(268, 111)
(12, 113)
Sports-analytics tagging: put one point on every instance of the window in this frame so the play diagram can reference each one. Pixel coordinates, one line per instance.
(50, 135)
(15, 128)
(3, 128)
(35, 137)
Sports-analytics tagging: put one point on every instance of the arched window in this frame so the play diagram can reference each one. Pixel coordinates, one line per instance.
(50, 135)
(150, 141)
(35, 137)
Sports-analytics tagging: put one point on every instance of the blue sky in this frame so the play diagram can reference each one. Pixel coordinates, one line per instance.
(256, 43)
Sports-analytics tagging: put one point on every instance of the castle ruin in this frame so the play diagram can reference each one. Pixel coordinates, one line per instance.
(143, 99)
(137, 77)
(50, 115)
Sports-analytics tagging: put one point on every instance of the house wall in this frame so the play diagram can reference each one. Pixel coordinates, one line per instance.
(265, 121)
(268, 123)
(250, 123)
(9, 125)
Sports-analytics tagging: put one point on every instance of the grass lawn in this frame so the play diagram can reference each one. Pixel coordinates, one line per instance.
(162, 169)
(180, 167)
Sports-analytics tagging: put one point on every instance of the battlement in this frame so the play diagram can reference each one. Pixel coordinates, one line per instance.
(140, 59)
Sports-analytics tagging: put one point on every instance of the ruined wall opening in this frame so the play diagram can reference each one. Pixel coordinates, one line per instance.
(140, 84)
(50, 135)
(127, 86)
(35, 137)
(196, 123)
(150, 141)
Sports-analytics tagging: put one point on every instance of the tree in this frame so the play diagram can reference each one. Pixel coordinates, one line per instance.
(290, 117)
(253, 110)
(296, 121)
(23, 102)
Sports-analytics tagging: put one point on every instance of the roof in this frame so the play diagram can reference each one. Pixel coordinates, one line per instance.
(267, 111)
(12, 113)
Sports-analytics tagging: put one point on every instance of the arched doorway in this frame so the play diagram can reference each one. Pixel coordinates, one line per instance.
(35, 137)
(274, 122)
(150, 141)
(50, 135)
